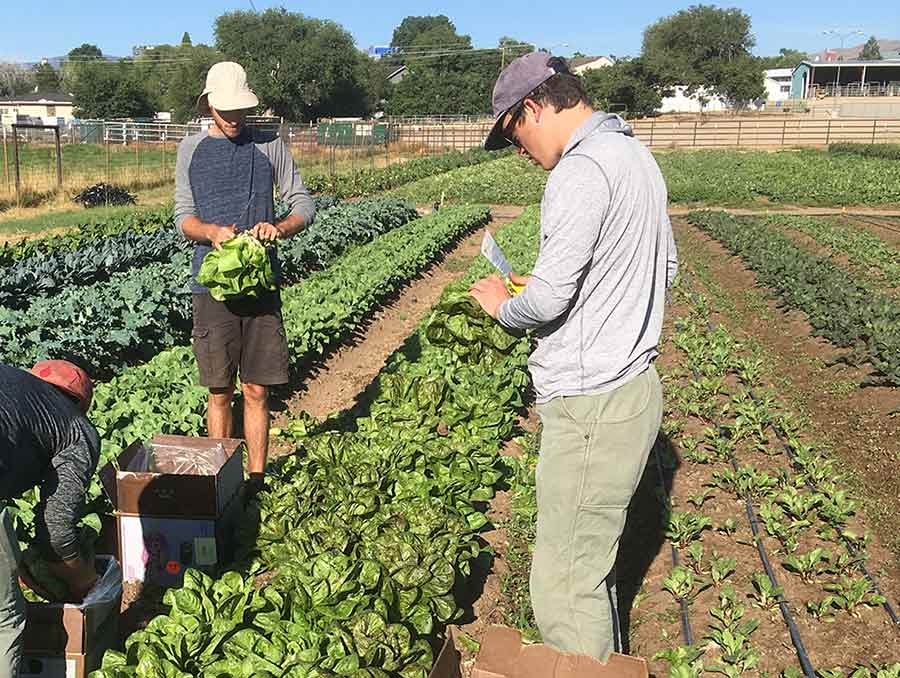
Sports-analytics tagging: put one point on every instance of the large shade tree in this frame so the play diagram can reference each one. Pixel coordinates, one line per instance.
(707, 50)
(301, 68)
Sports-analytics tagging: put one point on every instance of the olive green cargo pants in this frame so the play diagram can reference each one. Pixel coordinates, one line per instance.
(593, 452)
(12, 605)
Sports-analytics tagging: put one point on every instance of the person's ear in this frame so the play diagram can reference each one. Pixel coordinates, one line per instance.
(534, 109)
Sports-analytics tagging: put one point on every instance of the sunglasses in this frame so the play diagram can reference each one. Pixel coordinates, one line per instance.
(508, 131)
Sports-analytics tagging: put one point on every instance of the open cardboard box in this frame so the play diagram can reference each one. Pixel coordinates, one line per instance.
(503, 655)
(167, 522)
(67, 640)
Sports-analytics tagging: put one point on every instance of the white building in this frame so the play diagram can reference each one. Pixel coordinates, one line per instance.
(698, 102)
(778, 83)
(581, 65)
(47, 108)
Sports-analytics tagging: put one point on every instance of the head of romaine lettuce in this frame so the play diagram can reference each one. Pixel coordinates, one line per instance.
(242, 268)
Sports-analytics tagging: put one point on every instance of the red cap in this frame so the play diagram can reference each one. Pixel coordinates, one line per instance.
(70, 378)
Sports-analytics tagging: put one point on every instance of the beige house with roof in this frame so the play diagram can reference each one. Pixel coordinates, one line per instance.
(47, 108)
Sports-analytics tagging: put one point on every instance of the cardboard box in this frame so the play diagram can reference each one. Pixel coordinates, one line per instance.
(62, 640)
(70, 664)
(503, 655)
(169, 521)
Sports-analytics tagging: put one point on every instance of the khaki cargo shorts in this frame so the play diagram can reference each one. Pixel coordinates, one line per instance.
(241, 337)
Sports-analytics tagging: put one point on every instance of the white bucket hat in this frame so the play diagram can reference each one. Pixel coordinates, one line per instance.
(226, 88)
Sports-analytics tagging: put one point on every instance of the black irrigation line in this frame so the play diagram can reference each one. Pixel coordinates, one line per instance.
(783, 606)
(851, 548)
(872, 222)
(802, 655)
(685, 615)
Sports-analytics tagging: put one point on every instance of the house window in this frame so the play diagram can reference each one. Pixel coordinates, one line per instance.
(51, 111)
(786, 89)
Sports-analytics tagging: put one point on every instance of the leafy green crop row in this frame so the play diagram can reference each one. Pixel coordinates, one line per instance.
(47, 273)
(135, 314)
(807, 177)
(869, 253)
(369, 530)
(888, 151)
(839, 306)
(807, 519)
(164, 394)
(723, 178)
(368, 181)
(505, 181)
(138, 221)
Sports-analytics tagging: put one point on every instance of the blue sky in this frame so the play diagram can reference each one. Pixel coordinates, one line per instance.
(31, 30)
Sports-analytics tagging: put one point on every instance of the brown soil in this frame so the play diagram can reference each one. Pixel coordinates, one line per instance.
(681, 210)
(855, 423)
(656, 619)
(886, 228)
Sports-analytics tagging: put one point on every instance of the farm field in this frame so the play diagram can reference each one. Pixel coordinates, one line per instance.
(764, 537)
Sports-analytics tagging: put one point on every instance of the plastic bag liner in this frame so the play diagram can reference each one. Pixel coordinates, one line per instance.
(108, 587)
(185, 461)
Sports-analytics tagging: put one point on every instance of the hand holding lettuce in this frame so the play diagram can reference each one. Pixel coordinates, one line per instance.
(241, 268)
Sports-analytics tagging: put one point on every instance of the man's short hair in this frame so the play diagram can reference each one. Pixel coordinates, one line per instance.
(562, 90)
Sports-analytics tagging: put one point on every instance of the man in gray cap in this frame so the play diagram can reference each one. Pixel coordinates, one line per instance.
(595, 302)
(225, 180)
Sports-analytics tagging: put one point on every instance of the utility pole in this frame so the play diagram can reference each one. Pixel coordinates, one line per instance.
(841, 34)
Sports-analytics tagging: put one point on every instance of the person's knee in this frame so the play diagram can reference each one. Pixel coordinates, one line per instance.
(221, 397)
(255, 394)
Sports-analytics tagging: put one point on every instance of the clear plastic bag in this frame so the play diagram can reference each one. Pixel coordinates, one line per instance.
(108, 587)
(186, 461)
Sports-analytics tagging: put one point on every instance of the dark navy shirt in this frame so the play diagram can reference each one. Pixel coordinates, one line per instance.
(232, 181)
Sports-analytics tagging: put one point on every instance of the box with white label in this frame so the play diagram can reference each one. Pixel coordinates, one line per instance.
(177, 501)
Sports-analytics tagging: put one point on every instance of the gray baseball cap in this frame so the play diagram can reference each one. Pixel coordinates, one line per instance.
(515, 83)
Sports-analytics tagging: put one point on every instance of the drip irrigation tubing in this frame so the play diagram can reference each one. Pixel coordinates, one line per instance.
(802, 655)
(851, 548)
(686, 632)
(783, 606)
(872, 222)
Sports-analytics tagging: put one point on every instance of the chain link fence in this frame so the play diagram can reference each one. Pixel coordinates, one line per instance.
(140, 156)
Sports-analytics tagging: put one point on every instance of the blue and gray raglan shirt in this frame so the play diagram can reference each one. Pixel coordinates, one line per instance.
(232, 181)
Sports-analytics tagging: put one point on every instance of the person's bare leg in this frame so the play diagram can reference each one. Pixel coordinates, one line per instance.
(256, 427)
(219, 420)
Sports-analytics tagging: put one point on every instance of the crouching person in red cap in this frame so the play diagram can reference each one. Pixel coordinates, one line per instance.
(47, 441)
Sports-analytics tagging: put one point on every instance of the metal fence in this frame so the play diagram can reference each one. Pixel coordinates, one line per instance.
(141, 156)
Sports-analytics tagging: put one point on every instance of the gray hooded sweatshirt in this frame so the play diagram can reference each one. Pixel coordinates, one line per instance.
(607, 255)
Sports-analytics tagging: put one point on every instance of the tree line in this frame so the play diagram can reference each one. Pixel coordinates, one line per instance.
(304, 68)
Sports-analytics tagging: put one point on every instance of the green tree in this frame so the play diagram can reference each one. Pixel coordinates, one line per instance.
(85, 52)
(453, 81)
(787, 58)
(186, 40)
(626, 86)
(77, 57)
(186, 81)
(300, 68)
(107, 90)
(427, 31)
(705, 48)
(46, 77)
(15, 80)
(870, 51)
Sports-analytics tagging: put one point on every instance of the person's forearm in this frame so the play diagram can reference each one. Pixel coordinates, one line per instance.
(197, 230)
(290, 225)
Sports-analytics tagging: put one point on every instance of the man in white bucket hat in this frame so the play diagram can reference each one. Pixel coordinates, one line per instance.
(225, 180)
